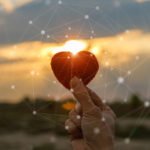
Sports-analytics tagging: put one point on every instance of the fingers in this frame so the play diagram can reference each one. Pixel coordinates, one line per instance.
(96, 99)
(75, 118)
(81, 94)
(73, 130)
(73, 124)
(70, 126)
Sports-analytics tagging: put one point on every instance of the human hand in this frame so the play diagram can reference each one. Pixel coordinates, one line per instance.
(91, 123)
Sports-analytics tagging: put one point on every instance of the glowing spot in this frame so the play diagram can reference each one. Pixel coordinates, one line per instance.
(34, 112)
(121, 80)
(103, 119)
(127, 140)
(45, 51)
(137, 57)
(32, 72)
(67, 127)
(78, 117)
(125, 100)
(13, 87)
(129, 72)
(97, 8)
(43, 32)
(54, 82)
(146, 104)
(68, 106)
(74, 46)
(48, 36)
(95, 50)
(66, 36)
(69, 28)
(86, 17)
(52, 139)
(127, 31)
(104, 101)
(71, 90)
(96, 130)
(30, 22)
(92, 32)
(121, 38)
(107, 64)
(59, 2)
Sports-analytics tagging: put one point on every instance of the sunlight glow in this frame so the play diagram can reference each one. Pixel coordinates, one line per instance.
(95, 50)
(32, 60)
(74, 46)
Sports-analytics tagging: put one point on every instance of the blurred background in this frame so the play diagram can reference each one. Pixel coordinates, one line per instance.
(34, 106)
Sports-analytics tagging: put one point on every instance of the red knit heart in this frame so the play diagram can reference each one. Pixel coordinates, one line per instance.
(83, 65)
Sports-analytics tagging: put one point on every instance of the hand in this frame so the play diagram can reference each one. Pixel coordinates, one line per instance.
(91, 123)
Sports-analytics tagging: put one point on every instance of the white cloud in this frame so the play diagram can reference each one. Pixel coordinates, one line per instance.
(10, 5)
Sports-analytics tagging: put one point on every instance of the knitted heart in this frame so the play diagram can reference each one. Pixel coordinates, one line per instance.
(83, 65)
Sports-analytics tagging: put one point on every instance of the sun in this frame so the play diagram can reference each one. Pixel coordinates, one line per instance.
(74, 46)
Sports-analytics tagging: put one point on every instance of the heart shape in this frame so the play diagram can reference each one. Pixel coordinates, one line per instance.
(83, 65)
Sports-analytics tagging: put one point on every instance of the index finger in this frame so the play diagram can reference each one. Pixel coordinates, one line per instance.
(80, 92)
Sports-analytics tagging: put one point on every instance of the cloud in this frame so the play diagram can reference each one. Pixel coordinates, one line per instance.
(129, 42)
(110, 22)
(141, 1)
(22, 63)
(10, 5)
(121, 48)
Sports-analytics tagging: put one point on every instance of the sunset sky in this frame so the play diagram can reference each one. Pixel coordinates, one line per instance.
(116, 31)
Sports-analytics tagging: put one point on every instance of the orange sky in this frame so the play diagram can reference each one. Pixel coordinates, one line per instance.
(26, 66)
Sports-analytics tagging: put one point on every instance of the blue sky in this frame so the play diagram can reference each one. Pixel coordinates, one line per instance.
(107, 17)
